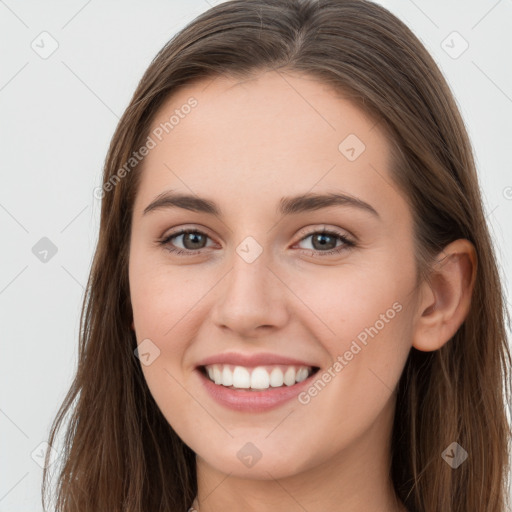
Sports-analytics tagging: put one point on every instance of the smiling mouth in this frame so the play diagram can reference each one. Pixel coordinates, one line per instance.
(258, 378)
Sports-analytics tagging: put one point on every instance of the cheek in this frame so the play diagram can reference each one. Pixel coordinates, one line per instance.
(365, 328)
(167, 301)
(161, 309)
(158, 303)
(163, 296)
(343, 302)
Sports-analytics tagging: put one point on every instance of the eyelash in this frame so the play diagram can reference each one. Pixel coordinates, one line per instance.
(347, 244)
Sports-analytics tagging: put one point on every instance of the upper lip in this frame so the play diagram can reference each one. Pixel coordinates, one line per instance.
(262, 359)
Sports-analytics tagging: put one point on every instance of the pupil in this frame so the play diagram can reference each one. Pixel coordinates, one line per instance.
(322, 237)
(195, 236)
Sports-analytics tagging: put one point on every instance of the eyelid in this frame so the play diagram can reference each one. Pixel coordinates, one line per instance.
(307, 231)
(168, 233)
(165, 239)
(302, 233)
(348, 240)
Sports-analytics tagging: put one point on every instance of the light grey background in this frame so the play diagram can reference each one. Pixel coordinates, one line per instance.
(58, 115)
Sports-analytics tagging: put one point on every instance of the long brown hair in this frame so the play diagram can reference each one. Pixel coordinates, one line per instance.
(120, 454)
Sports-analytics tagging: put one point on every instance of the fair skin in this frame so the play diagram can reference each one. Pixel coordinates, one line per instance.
(245, 146)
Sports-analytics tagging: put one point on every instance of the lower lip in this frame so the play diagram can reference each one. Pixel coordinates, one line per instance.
(253, 401)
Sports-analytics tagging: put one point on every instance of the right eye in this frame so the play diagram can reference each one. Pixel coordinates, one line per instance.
(190, 236)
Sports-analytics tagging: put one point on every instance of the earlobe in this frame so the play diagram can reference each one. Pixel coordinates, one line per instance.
(446, 299)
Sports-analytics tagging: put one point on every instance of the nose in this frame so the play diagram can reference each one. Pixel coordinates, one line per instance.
(251, 300)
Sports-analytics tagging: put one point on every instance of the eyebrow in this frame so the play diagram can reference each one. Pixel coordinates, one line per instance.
(289, 205)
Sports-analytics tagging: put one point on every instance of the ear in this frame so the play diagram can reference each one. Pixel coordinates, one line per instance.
(445, 300)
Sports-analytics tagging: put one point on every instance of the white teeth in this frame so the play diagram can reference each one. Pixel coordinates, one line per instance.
(217, 375)
(261, 377)
(289, 376)
(227, 377)
(241, 377)
(276, 378)
(302, 374)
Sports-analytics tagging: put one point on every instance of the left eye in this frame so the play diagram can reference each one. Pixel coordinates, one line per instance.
(194, 240)
(325, 240)
(189, 235)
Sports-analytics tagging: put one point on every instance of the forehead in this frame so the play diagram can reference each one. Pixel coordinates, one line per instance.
(272, 135)
(297, 107)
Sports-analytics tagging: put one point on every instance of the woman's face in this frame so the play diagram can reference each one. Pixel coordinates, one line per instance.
(258, 278)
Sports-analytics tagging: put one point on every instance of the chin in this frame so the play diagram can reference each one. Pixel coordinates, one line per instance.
(271, 462)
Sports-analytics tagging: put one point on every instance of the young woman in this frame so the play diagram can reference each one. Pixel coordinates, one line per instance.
(294, 303)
